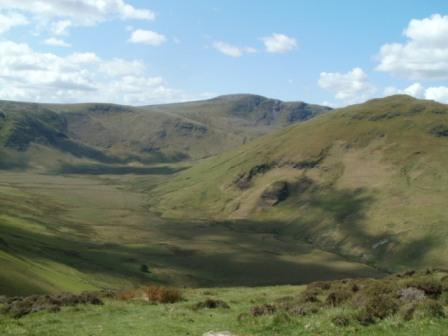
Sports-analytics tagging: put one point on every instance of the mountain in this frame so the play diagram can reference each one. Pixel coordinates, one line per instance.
(368, 182)
(110, 133)
(76, 180)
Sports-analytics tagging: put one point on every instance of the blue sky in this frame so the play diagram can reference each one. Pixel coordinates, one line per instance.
(144, 52)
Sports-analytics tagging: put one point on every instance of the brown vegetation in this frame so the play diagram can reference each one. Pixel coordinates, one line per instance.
(410, 295)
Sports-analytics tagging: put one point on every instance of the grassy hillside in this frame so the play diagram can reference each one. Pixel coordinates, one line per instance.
(368, 182)
(184, 130)
(89, 232)
(116, 134)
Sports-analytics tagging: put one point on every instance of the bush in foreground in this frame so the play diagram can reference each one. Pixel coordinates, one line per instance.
(161, 294)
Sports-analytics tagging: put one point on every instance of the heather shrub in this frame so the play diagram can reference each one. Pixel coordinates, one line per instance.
(162, 294)
(338, 297)
(265, 309)
(127, 295)
(411, 294)
(381, 306)
(430, 286)
(430, 309)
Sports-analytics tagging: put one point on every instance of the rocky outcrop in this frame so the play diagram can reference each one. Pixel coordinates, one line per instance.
(275, 193)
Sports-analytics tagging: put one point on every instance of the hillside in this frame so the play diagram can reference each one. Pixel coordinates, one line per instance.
(184, 130)
(368, 182)
(115, 134)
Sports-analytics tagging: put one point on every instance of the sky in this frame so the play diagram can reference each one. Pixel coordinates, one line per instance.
(158, 51)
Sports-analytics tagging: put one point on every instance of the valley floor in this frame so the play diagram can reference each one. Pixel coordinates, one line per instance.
(84, 232)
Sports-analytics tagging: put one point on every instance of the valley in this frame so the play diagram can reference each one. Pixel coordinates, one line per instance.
(81, 232)
(339, 200)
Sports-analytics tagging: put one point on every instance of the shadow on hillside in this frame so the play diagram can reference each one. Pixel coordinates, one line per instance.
(232, 259)
(337, 224)
(99, 169)
(227, 253)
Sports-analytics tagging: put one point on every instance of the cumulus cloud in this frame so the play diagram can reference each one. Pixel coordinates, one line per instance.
(232, 50)
(439, 93)
(57, 42)
(279, 43)
(26, 74)
(147, 37)
(57, 16)
(10, 20)
(350, 87)
(60, 27)
(425, 53)
(84, 11)
(415, 90)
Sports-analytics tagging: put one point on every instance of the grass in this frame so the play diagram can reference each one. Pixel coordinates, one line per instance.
(83, 232)
(142, 318)
(367, 182)
(366, 193)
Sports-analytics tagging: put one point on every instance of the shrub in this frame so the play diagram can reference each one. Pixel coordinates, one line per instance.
(126, 295)
(20, 306)
(407, 311)
(340, 320)
(211, 304)
(322, 285)
(310, 295)
(430, 308)
(265, 309)
(162, 294)
(381, 306)
(430, 286)
(336, 298)
(444, 282)
(365, 318)
(375, 289)
(144, 268)
(304, 309)
(411, 294)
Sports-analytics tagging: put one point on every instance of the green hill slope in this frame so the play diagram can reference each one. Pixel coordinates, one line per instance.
(368, 182)
(185, 130)
(122, 134)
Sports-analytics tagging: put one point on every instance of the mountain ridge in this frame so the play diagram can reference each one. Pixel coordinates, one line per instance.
(157, 133)
(351, 181)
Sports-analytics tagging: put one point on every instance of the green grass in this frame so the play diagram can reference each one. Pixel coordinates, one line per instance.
(141, 318)
(84, 232)
(368, 182)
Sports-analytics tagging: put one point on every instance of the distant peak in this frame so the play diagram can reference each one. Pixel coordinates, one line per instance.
(240, 96)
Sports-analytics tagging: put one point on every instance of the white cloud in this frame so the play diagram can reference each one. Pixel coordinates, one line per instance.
(350, 87)
(81, 11)
(60, 27)
(425, 53)
(279, 43)
(10, 20)
(439, 93)
(415, 90)
(83, 58)
(232, 50)
(147, 37)
(120, 67)
(56, 42)
(29, 75)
